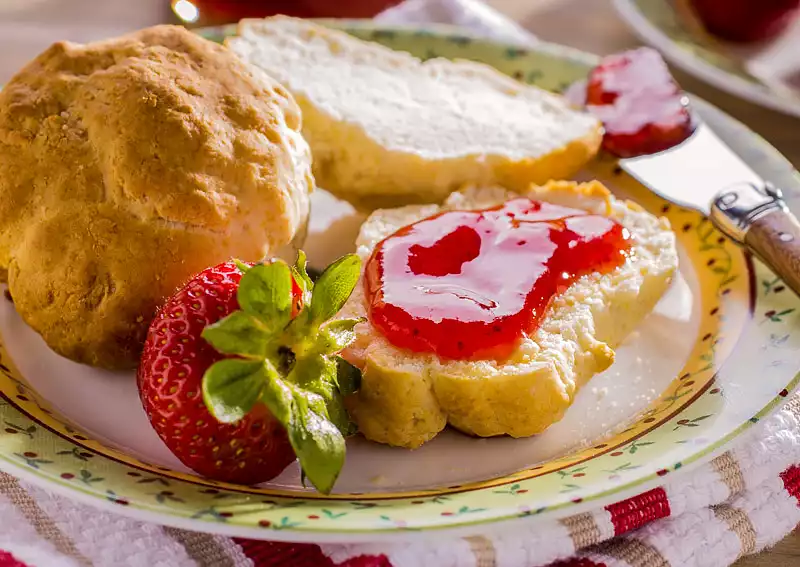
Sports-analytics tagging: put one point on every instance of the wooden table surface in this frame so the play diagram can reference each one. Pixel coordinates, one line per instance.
(28, 26)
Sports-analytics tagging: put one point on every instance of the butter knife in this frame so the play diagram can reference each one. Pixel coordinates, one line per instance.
(704, 174)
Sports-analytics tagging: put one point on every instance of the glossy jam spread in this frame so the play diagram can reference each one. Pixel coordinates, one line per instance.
(469, 284)
(640, 105)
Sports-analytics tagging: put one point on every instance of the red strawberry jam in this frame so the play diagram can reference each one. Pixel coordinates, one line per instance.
(470, 284)
(641, 106)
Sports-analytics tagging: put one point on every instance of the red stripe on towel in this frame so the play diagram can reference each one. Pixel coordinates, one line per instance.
(640, 510)
(367, 561)
(791, 481)
(277, 554)
(577, 562)
(8, 560)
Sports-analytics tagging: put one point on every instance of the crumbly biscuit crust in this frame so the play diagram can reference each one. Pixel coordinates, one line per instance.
(126, 166)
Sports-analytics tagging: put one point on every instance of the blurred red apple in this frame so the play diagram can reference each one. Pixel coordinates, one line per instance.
(746, 20)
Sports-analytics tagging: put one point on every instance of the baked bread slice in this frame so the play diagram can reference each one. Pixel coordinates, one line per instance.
(406, 398)
(387, 129)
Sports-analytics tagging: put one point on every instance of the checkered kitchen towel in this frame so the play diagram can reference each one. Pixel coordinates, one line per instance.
(740, 503)
(743, 501)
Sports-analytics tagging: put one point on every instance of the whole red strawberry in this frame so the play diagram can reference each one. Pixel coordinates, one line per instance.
(215, 407)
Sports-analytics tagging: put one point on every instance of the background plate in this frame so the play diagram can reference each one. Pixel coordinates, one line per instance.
(716, 356)
(768, 75)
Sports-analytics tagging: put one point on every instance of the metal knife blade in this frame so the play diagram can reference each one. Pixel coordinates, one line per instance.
(693, 173)
(704, 174)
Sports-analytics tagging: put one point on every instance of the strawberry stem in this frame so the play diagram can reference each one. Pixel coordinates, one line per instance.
(289, 364)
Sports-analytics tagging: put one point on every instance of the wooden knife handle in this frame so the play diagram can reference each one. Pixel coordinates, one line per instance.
(757, 217)
(775, 238)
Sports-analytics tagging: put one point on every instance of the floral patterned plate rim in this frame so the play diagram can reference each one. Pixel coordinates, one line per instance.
(725, 322)
(759, 74)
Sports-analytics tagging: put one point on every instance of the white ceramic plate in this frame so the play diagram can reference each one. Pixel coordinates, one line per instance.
(718, 353)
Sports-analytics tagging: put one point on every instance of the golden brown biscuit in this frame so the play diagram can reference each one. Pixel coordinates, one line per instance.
(128, 165)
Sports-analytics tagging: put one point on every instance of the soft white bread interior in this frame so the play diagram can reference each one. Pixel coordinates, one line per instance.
(387, 129)
(406, 398)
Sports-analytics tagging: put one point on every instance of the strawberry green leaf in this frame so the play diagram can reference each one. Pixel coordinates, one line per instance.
(300, 330)
(280, 396)
(319, 446)
(315, 438)
(315, 377)
(314, 374)
(277, 395)
(343, 422)
(336, 335)
(231, 387)
(348, 377)
(311, 379)
(241, 265)
(265, 291)
(334, 287)
(239, 333)
(301, 274)
(288, 363)
(317, 402)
